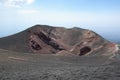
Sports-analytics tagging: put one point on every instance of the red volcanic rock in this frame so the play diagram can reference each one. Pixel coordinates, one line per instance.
(45, 39)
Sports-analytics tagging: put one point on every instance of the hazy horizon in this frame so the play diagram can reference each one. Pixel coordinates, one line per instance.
(101, 16)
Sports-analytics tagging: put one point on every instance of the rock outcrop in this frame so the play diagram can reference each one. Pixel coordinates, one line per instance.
(45, 39)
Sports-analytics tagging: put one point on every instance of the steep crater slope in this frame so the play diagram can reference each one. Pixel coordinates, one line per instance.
(45, 39)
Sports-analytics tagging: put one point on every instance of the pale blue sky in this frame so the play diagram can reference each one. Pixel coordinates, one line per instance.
(102, 16)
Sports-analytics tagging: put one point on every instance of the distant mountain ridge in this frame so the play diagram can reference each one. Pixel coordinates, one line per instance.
(44, 39)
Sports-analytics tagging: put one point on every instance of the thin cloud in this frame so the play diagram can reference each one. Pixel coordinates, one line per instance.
(29, 1)
(27, 11)
(16, 3)
(0, 3)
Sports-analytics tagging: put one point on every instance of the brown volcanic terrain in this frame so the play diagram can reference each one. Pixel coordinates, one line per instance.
(85, 55)
(43, 39)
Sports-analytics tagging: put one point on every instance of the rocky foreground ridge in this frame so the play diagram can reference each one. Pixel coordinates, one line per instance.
(43, 39)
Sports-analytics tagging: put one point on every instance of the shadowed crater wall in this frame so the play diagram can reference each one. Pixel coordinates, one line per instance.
(84, 50)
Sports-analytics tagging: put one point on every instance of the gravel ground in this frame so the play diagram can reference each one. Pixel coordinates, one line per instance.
(21, 66)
